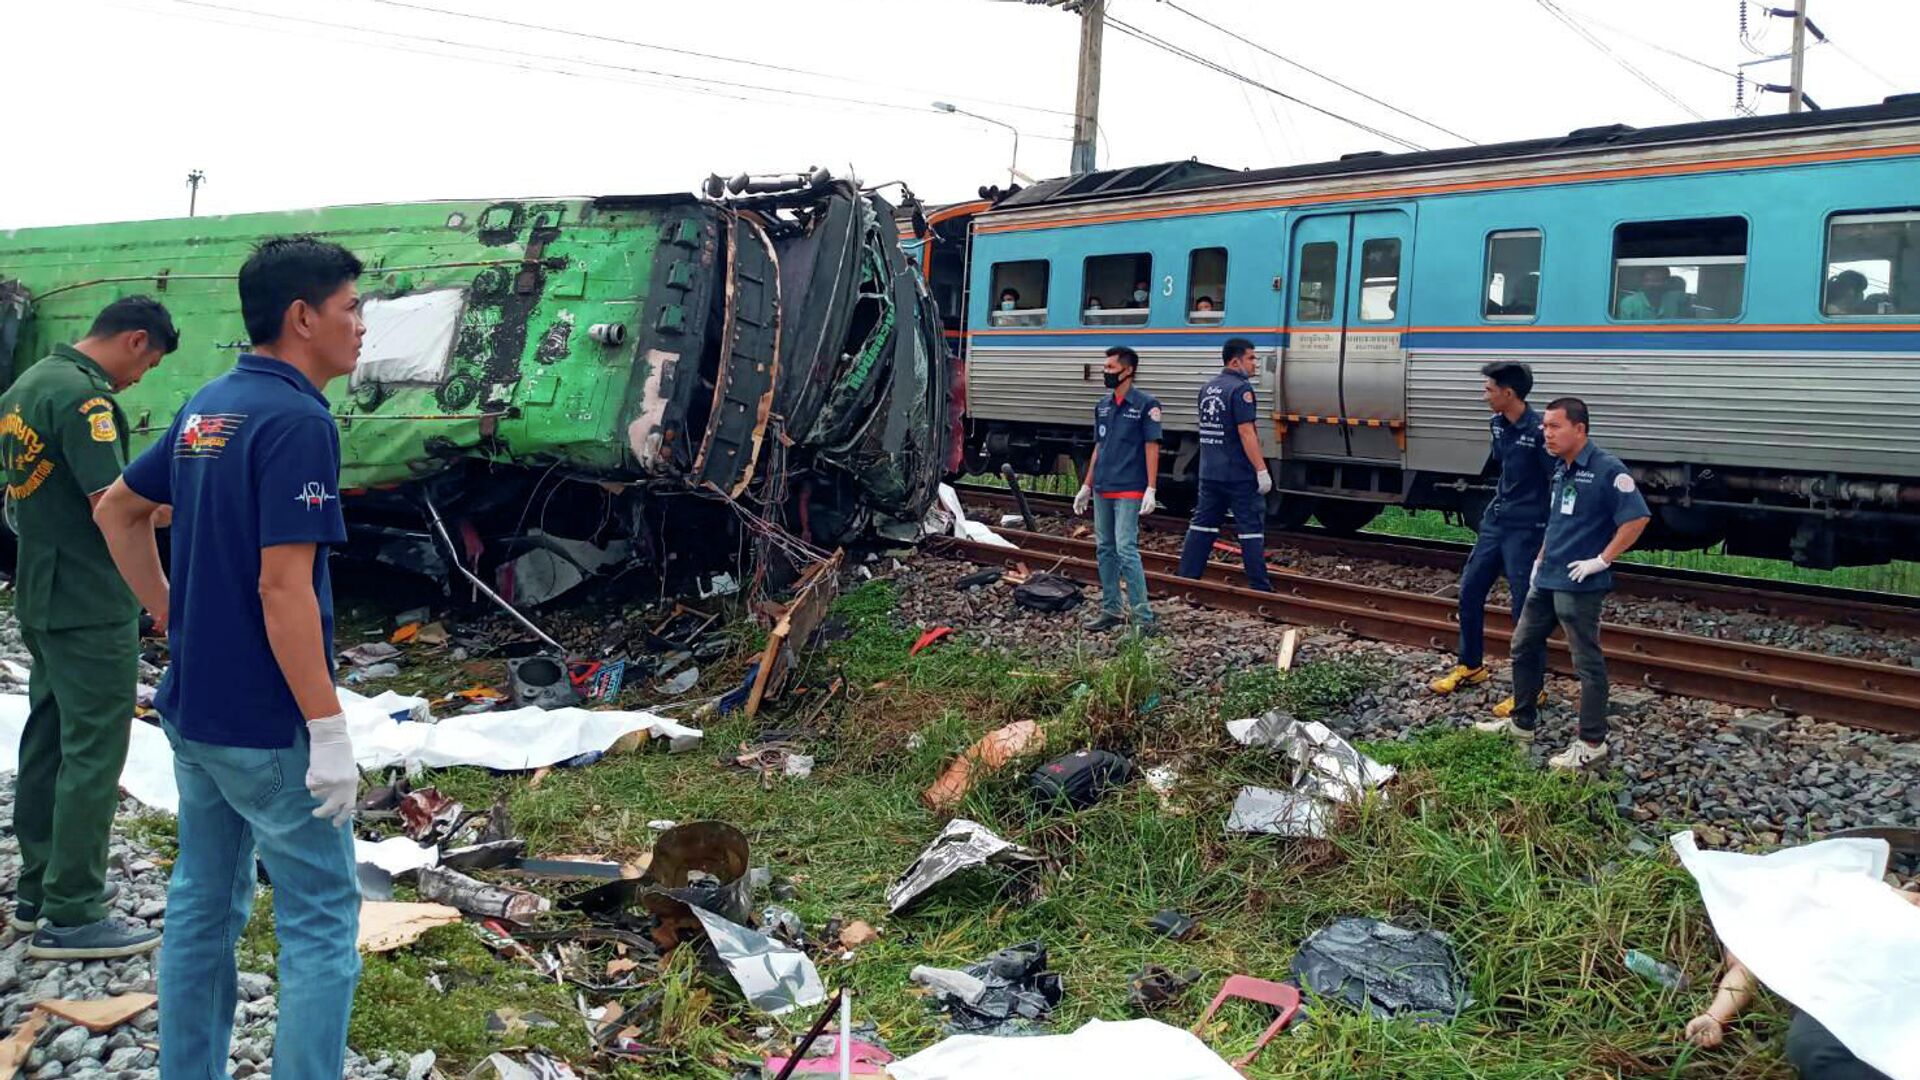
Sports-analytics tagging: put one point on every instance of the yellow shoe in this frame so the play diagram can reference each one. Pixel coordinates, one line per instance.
(1505, 708)
(1461, 674)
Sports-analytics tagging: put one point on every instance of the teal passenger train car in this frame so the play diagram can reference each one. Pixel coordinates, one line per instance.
(1737, 301)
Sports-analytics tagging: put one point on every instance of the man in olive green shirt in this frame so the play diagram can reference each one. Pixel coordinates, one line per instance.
(63, 441)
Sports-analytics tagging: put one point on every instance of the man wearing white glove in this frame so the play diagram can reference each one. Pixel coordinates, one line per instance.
(1233, 469)
(1595, 512)
(251, 468)
(1120, 488)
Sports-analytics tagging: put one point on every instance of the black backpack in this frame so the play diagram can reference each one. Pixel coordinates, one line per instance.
(1080, 779)
(1047, 592)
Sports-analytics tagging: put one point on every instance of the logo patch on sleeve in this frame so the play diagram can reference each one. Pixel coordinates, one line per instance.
(1153, 414)
(1249, 397)
(314, 495)
(1623, 484)
(91, 404)
(100, 426)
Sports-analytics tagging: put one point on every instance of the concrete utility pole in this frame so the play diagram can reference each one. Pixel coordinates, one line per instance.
(194, 179)
(1086, 102)
(1795, 96)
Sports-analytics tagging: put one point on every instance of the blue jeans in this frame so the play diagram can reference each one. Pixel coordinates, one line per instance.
(1116, 524)
(1496, 551)
(1241, 498)
(232, 800)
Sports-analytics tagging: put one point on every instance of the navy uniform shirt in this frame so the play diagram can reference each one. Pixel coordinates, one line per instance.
(1225, 404)
(1525, 468)
(1122, 429)
(251, 461)
(1588, 503)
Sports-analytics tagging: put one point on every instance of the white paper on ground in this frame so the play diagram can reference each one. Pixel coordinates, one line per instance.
(1818, 926)
(514, 740)
(965, 529)
(1126, 1050)
(396, 854)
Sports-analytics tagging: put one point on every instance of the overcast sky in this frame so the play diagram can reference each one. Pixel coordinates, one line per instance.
(293, 104)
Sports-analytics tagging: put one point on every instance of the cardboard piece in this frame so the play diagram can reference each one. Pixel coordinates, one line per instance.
(101, 1015)
(15, 1048)
(386, 925)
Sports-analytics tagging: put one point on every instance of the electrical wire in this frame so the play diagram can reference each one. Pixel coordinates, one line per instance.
(1289, 61)
(1861, 64)
(1590, 38)
(1656, 46)
(1189, 55)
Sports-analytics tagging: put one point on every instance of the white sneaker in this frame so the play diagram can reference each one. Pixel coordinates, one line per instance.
(1506, 727)
(1578, 756)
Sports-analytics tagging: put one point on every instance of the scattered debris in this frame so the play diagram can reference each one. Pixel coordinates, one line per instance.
(1154, 987)
(1261, 991)
(578, 869)
(1389, 971)
(1289, 642)
(369, 654)
(775, 979)
(865, 1059)
(681, 682)
(928, 638)
(396, 855)
(383, 670)
(434, 634)
(429, 816)
(1170, 923)
(15, 1048)
(540, 682)
(1280, 813)
(978, 579)
(858, 933)
(1654, 971)
(103, 1014)
(487, 855)
(994, 750)
(1047, 592)
(1080, 779)
(514, 1023)
(405, 634)
(537, 1067)
(962, 528)
(1130, 1048)
(1327, 771)
(1008, 993)
(480, 898)
(386, 925)
(794, 629)
(699, 865)
(961, 845)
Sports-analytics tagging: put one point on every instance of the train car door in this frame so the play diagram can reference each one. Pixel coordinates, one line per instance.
(1344, 374)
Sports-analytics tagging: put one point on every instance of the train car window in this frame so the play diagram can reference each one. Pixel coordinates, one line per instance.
(1019, 294)
(1665, 271)
(1873, 265)
(1319, 277)
(1207, 285)
(1513, 275)
(1379, 279)
(1116, 290)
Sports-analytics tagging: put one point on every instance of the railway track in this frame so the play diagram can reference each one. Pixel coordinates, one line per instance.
(1881, 696)
(1849, 607)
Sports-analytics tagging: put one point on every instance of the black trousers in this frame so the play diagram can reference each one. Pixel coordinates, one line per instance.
(1577, 613)
(1819, 1056)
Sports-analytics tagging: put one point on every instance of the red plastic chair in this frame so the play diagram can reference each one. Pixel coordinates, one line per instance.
(1279, 995)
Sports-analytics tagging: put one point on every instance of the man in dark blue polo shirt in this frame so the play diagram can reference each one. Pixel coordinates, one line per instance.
(1511, 528)
(1595, 512)
(251, 467)
(1233, 470)
(1120, 488)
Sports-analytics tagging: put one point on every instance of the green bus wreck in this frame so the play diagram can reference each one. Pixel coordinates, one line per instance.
(556, 380)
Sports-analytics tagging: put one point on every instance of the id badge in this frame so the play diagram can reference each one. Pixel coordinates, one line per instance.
(1567, 494)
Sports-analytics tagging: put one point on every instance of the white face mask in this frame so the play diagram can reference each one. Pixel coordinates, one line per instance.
(1139, 296)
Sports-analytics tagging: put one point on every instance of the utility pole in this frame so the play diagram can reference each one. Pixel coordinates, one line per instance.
(194, 179)
(1796, 85)
(1086, 102)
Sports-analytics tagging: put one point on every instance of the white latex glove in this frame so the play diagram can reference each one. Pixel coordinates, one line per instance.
(1148, 504)
(332, 776)
(1534, 577)
(1266, 481)
(1083, 500)
(1582, 569)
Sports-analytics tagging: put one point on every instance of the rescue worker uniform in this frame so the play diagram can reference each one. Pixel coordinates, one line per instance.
(1122, 428)
(62, 440)
(1228, 481)
(1587, 503)
(1508, 541)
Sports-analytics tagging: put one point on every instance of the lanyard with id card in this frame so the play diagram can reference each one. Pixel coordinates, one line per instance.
(1567, 493)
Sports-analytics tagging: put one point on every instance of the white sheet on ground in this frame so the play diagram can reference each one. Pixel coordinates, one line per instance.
(513, 740)
(1817, 925)
(965, 529)
(1124, 1050)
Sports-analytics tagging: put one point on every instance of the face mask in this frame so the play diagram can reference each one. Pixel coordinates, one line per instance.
(1139, 296)
(1111, 378)
(1006, 305)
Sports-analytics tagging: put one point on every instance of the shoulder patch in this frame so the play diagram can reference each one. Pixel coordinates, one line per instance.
(91, 404)
(1623, 483)
(1153, 414)
(100, 426)
(1248, 397)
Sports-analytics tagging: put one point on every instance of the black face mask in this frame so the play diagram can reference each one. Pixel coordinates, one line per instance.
(1111, 378)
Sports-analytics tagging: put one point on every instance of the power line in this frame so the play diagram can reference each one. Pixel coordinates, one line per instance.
(765, 65)
(1590, 38)
(1657, 47)
(1324, 78)
(1189, 55)
(1861, 64)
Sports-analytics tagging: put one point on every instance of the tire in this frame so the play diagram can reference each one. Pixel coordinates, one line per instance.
(1342, 517)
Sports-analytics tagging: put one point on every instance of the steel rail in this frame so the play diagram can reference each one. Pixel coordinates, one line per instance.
(1861, 608)
(1881, 696)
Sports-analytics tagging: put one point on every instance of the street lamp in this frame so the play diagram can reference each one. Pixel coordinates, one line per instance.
(1013, 167)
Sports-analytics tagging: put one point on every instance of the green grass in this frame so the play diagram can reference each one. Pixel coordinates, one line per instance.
(1528, 872)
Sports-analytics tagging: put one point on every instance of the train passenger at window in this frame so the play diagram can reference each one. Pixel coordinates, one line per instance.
(1643, 302)
(1139, 294)
(1093, 303)
(1672, 302)
(1009, 299)
(1205, 303)
(1847, 294)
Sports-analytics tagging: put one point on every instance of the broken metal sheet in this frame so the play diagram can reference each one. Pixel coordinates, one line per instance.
(960, 846)
(1325, 765)
(1390, 971)
(749, 363)
(409, 338)
(1281, 813)
(776, 979)
(555, 566)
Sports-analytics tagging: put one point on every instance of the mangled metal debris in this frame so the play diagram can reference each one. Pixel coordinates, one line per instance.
(1327, 772)
(1385, 969)
(961, 845)
(776, 979)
